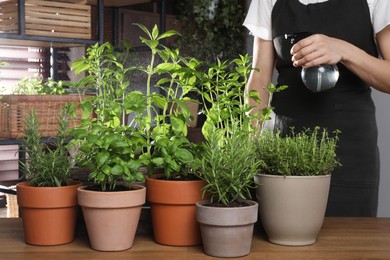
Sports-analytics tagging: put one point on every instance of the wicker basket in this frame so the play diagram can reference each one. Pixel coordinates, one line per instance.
(15, 108)
(61, 18)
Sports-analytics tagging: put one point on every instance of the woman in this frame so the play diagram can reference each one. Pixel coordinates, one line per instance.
(351, 34)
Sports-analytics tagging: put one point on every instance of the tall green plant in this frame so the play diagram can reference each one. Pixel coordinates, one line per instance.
(108, 74)
(115, 146)
(223, 91)
(163, 114)
(106, 144)
(227, 160)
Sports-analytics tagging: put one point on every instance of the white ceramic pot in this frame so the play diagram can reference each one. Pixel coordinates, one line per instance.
(292, 208)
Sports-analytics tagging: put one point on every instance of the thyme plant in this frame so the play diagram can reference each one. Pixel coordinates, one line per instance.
(307, 153)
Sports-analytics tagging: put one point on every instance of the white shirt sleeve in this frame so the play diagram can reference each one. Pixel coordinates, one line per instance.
(380, 13)
(258, 18)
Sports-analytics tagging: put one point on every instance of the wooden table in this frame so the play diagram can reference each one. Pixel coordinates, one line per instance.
(340, 238)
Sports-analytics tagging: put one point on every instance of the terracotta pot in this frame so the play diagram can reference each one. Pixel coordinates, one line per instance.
(292, 208)
(112, 218)
(173, 211)
(48, 213)
(227, 232)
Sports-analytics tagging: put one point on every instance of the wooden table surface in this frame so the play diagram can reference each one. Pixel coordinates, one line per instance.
(339, 238)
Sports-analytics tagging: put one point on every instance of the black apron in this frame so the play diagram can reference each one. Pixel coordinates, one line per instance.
(347, 107)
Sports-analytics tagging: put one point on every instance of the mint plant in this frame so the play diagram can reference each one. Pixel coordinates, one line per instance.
(115, 146)
(106, 144)
(162, 115)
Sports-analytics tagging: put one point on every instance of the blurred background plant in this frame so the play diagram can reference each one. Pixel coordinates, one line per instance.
(38, 86)
(212, 29)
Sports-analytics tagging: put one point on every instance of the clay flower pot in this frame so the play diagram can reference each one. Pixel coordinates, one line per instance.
(112, 218)
(292, 208)
(48, 213)
(227, 231)
(173, 211)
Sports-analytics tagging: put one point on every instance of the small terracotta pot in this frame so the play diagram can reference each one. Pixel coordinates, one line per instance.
(112, 218)
(48, 213)
(173, 211)
(227, 231)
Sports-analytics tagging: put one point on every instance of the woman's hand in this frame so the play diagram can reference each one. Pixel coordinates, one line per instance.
(317, 49)
(320, 49)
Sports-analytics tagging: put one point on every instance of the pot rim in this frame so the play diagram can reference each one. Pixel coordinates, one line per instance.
(27, 185)
(155, 179)
(252, 202)
(136, 186)
(292, 176)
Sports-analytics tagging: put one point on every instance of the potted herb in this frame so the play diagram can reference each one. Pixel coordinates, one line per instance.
(228, 162)
(162, 116)
(293, 184)
(110, 149)
(48, 197)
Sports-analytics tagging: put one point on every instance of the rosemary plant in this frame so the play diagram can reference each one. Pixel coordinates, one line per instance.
(47, 166)
(228, 165)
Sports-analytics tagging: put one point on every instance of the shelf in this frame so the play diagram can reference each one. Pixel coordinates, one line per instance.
(118, 3)
(49, 23)
(44, 42)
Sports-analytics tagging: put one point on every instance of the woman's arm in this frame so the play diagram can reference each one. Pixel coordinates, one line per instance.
(260, 78)
(320, 49)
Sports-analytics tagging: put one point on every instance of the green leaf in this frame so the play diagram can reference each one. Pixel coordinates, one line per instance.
(207, 129)
(166, 67)
(167, 34)
(102, 157)
(159, 161)
(117, 170)
(119, 144)
(178, 125)
(184, 155)
(101, 177)
(139, 176)
(79, 66)
(159, 100)
(133, 165)
(143, 28)
(155, 32)
(106, 169)
(255, 96)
